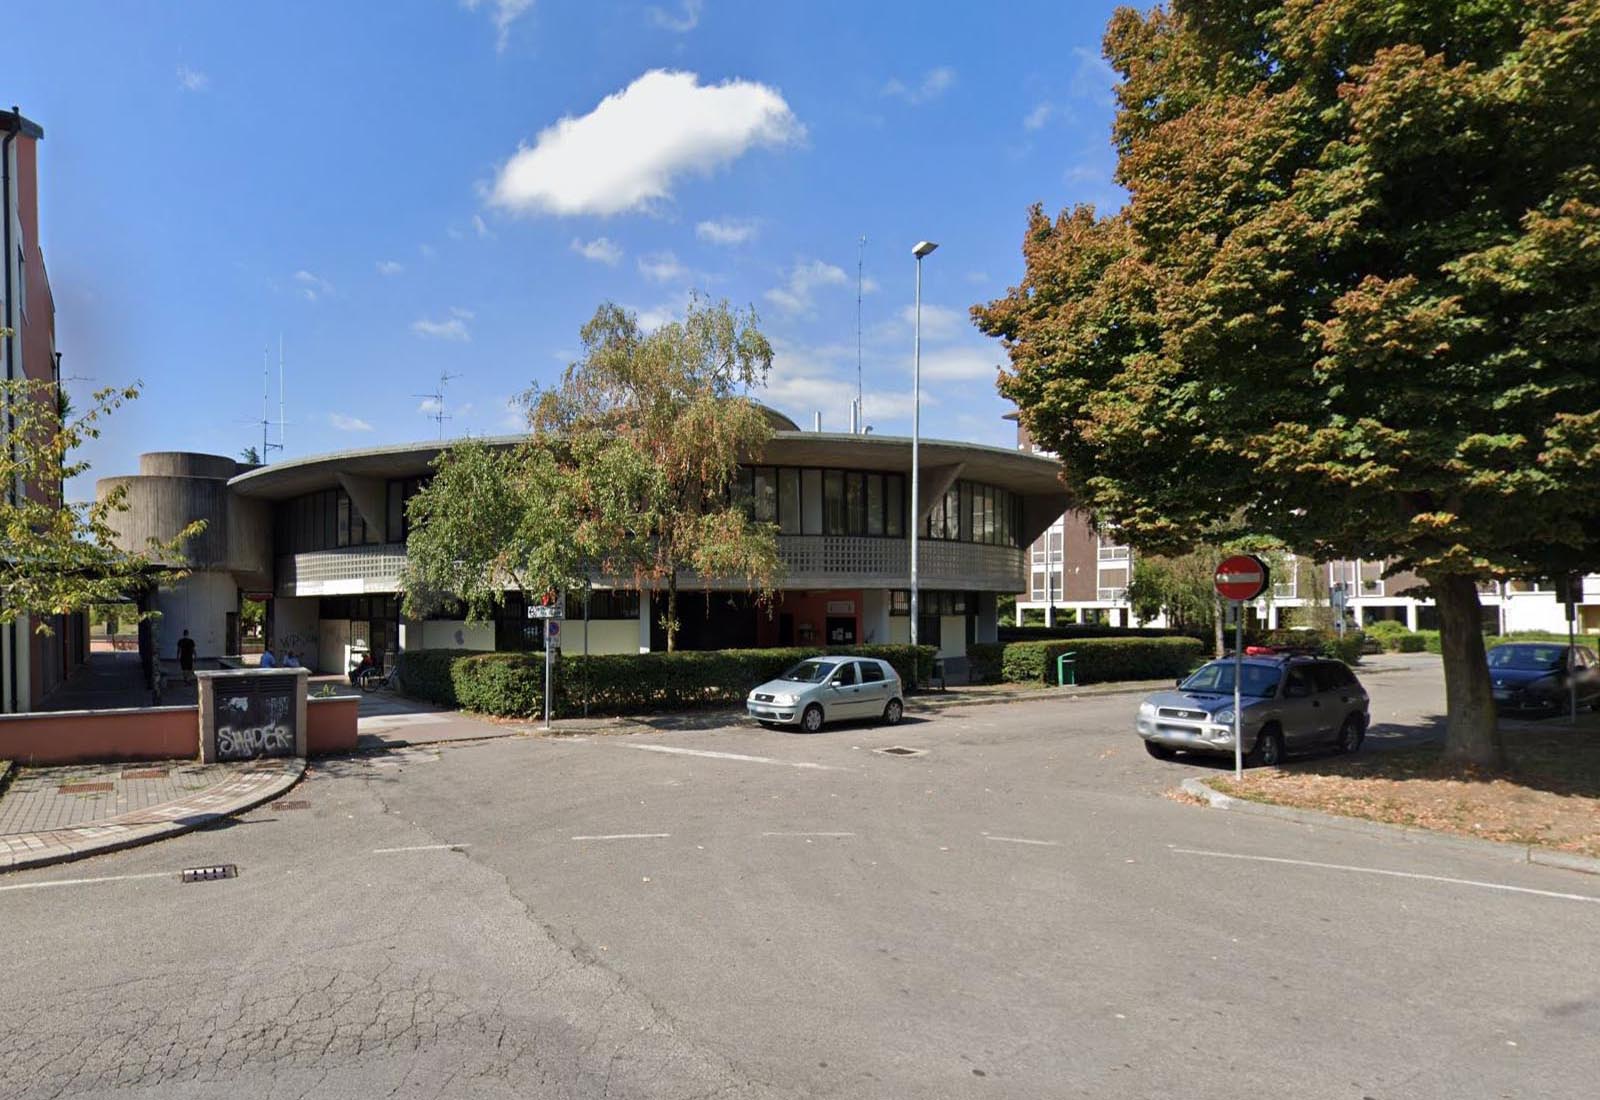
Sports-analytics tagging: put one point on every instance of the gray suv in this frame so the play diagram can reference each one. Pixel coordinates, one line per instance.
(1291, 704)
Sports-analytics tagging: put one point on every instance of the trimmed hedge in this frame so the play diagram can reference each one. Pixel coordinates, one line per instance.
(1099, 660)
(984, 661)
(1323, 643)
(512, 684)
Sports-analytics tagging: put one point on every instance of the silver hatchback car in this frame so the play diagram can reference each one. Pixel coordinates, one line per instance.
(1290, 704)
(827, 689)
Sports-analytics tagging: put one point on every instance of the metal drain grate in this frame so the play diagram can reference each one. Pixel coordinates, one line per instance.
(294, 804)
(209, 874)
(86, 788)
(900, 750)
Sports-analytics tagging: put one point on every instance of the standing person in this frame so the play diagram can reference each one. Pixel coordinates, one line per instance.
(186, 657)
(267, 659)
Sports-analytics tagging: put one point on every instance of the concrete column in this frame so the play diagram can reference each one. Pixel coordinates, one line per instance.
(875, 616)
(1272, 616)
(988, 625)
(1411, 615)
(1019, 612)
(1049, 614)
(644, 621)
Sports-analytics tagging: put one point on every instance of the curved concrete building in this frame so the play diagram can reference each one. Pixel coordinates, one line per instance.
(325, 535)
(232, 553)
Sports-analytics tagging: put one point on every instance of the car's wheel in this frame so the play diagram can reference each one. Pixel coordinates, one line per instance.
(811, 720)
(1268, 751)
(1160, 752)
(1351, 734)
(892, 712)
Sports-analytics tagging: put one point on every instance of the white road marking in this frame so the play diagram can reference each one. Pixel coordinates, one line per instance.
(732, 756)
(808, 834)
(626, 836)
(1024, 840)
(88, 881)
(1391, 874)
(421, 848)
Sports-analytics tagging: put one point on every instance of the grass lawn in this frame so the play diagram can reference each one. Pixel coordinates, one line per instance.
(1548, 795)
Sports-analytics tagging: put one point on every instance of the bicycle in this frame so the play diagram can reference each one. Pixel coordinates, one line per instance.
(372, 680)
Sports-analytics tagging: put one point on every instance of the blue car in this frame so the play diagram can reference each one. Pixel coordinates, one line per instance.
(1539, 676)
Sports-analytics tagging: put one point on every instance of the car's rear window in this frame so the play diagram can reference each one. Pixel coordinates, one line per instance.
(871, 672)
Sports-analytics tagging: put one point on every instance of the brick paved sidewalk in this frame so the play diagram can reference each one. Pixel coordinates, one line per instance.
(49, 815)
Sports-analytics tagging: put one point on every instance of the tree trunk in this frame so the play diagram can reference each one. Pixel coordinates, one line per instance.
(1217, 627)
(1472, 732)
(672, 613)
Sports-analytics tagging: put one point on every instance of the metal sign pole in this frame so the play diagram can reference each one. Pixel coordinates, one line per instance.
(1238, 699)
(1572, 654)
(547, 677)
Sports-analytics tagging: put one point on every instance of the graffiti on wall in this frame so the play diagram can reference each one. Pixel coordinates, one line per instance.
(254, 720)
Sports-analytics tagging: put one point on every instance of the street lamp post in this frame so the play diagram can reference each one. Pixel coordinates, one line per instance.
(922, 249)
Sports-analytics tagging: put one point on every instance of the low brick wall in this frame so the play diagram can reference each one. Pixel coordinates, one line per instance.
(93, 736)
(331, 725)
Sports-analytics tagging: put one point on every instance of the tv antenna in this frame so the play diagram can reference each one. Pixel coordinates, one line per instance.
(438, 415)
(860, 417)
(267, 446)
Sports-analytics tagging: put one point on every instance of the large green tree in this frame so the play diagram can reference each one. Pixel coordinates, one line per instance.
(626, 473)
(1353, 299)
(56, 556)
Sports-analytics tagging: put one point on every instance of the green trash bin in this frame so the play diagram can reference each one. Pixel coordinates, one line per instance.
(1067, 669)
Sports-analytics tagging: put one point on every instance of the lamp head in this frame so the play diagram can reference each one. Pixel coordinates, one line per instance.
(923, 248)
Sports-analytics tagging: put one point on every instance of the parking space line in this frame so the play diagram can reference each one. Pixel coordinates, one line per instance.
(1390, 874)
(732, 756)
(420, 848)
(86, 881)
(808, 834)
(626, 836)
(1024, 840)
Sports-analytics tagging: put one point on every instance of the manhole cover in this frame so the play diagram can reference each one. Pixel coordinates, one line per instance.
(86, 788)
(900, 750)
(295, 804)
(209, 874)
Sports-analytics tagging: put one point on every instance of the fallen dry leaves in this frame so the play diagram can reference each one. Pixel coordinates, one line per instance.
(1548, 795)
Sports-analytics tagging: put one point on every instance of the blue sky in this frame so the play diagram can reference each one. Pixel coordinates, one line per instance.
(416, 186)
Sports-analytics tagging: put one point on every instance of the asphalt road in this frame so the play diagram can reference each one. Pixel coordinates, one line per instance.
(1016, 912)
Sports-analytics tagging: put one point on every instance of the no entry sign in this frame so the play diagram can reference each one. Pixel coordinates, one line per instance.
(1241, 577)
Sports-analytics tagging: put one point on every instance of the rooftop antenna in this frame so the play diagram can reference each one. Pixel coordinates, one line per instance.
(267, 446)
(437, 397)
(281, 438)
(861, 409)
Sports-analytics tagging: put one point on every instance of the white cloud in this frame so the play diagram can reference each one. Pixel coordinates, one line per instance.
(601, 250)
(390, 267)
(796, 295)
(934, 83)
(869, 285)
(348, 423)
(1093, 78)
(503, 13)
(480, 226)
(960, 364)
(626, 153)
(653, 317)
(727, 231)
(808, 380)
(312, 286)
(429, 405)
(427, 250)
(192, 80)
(682, 21)
(455, 328)
(938, 322)
(464, 314)
(1037, 118)
(662, 267)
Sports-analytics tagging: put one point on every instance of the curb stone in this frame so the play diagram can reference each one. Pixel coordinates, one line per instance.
(107, 836)
(1515, 853)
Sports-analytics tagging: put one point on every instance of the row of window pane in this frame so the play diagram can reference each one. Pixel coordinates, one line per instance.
(973, 512)
(320, 521)
(823, 502)
(930, 601)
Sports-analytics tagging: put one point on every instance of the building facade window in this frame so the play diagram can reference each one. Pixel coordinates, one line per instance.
(970, 511)
(811, 501)
(327, 520)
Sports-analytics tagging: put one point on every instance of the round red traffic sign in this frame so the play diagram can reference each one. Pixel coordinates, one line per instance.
(1241, 577)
